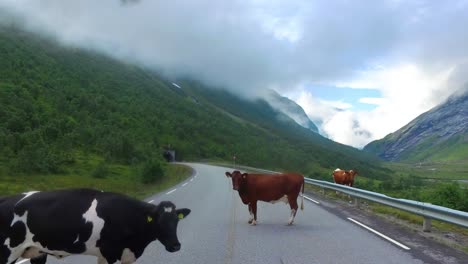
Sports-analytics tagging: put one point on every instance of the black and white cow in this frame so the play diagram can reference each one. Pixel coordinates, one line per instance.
(110, 226)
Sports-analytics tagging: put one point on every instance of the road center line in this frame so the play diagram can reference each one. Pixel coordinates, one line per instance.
(22, 261)
(184, 184)
(380, 234)
(310, 199)
(169, 192)
(151, 201)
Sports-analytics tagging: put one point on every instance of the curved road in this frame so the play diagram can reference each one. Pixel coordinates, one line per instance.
(217, 231)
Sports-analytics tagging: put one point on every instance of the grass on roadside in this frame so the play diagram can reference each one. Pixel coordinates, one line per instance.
(118, 178)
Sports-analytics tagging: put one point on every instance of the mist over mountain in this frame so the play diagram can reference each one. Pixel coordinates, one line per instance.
(59, 103)
(291, 109)
(249, 47)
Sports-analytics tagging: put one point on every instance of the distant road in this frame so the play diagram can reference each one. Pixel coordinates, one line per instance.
(216, 232)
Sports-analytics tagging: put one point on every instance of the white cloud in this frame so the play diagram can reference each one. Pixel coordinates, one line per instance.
(407, 92)
(372, 101)
(343, 127)
(333, 121)
(413, 52)
(246, 46)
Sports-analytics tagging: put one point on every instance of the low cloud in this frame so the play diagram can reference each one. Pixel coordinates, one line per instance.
(413, 52)
(372, 101)
(407, 92)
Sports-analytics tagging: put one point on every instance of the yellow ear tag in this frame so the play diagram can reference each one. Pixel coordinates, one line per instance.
(149, 219)
(181, 216)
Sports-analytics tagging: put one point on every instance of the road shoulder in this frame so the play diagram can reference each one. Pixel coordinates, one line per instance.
(424, 246)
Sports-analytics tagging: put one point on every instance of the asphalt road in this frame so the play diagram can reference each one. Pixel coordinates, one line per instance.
(217, 231)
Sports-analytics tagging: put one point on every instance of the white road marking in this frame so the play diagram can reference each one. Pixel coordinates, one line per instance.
(184, 184)
(22, 261)
(169, 192)
(310, 199)
(151, 201)
(380, 234)
(191, 179)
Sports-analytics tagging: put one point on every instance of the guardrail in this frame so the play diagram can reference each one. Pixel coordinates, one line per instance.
(426, 210)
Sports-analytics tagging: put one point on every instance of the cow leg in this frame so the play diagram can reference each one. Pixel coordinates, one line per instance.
(101, 260)
(251, 214)
(254, 211)
(293, 215)
(14, 256)
(293, 205)
(4, 254)
(39, 260)
(128, 257)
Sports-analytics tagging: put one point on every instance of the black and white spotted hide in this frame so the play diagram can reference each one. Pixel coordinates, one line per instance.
(110, 226)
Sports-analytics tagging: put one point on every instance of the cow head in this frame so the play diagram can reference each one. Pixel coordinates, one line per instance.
(164, 219)
(353, 173)
(237, 178)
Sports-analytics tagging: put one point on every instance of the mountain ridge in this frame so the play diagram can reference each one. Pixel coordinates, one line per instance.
(291, 109)
(58, 104)
(438, 134)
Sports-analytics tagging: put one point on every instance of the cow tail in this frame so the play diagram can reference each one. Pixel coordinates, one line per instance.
(302, 201)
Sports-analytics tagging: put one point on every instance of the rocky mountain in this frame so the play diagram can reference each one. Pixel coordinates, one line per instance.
(291, 109)
(441, 134)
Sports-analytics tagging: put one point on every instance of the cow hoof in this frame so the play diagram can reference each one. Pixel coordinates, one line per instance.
(290, 223)
(253, 223)
(250, 221)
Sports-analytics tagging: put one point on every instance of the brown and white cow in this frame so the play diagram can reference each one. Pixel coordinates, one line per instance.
(344, 177)
(268, 188)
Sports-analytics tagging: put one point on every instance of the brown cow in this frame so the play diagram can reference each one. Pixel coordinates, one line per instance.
(268, 188)
(344, 177)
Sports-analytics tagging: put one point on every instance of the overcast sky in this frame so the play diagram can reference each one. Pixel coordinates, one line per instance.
(360, 69)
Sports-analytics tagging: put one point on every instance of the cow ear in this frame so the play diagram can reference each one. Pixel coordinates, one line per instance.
(244, 175)
(154, 210)
(152, 214)
(182, 213)
(228, 174)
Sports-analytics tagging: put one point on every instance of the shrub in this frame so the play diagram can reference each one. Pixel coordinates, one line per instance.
(101, 171)
(449, 195)
(152, 171)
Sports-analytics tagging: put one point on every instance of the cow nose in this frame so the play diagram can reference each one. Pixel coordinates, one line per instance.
(174, 248)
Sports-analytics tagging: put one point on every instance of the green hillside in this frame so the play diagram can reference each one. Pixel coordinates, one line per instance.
(258, 112)
(58, 103)
(71, 117)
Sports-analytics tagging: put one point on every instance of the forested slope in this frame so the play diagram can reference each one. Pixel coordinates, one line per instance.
(57, 103)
